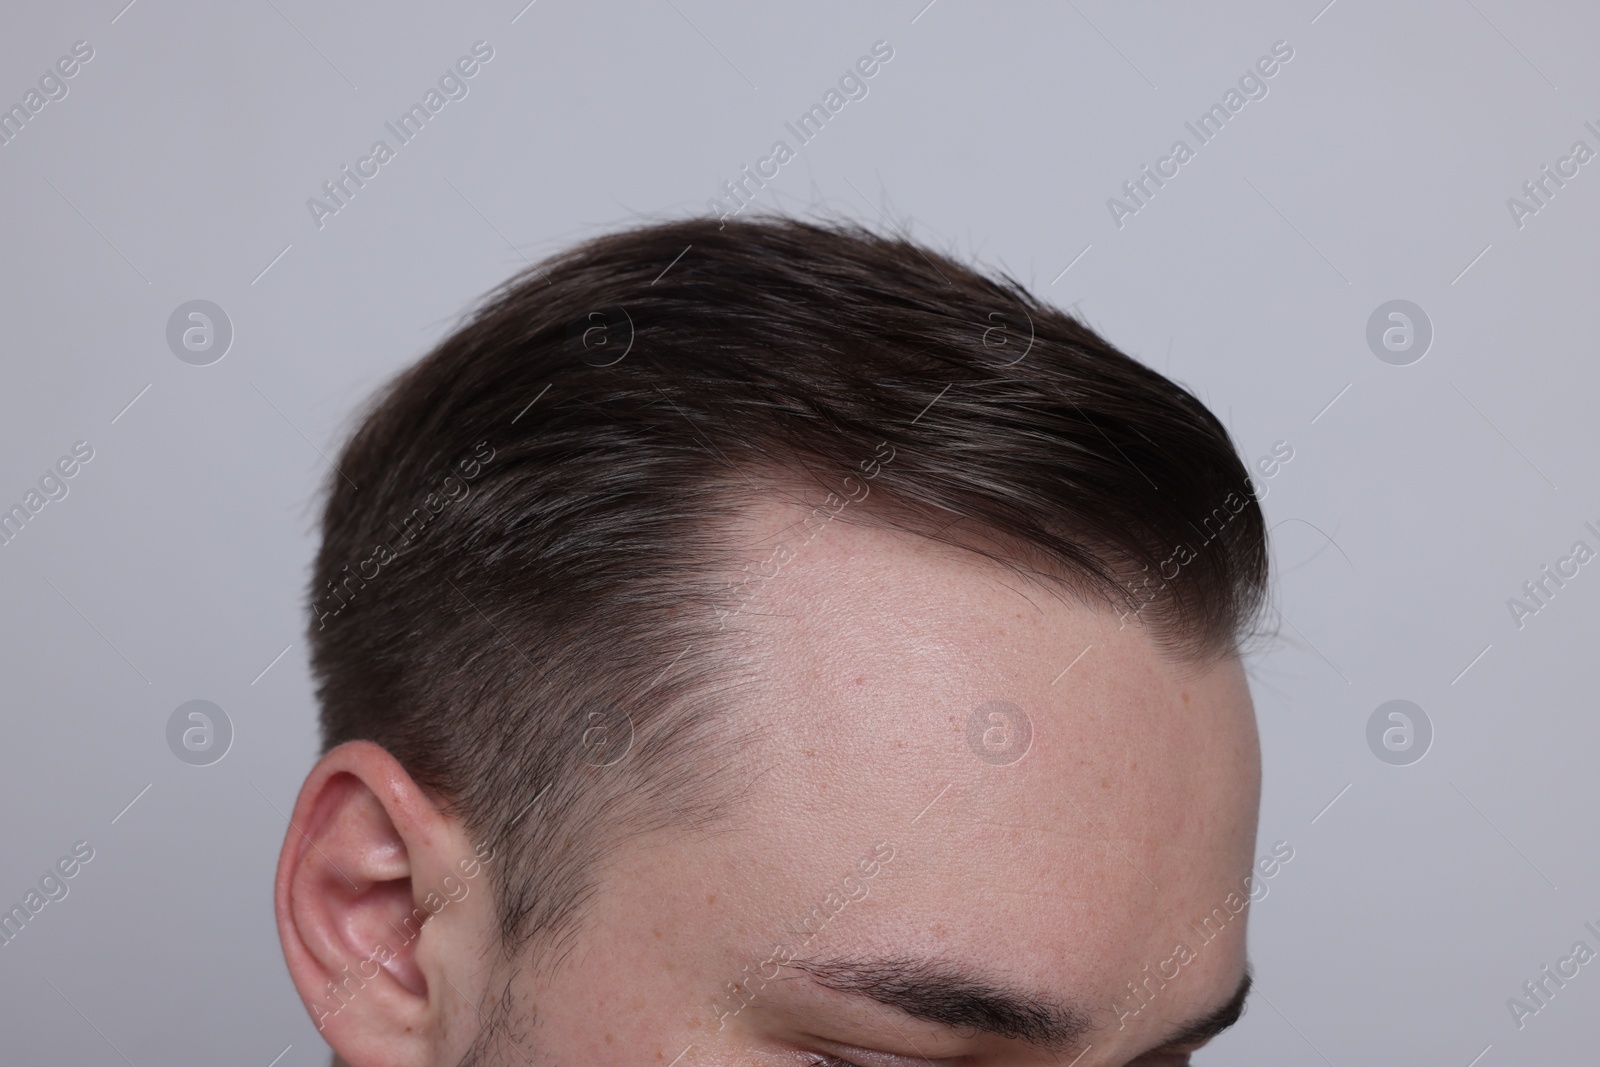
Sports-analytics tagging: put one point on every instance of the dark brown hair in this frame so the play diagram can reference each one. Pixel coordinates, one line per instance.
(523, 580)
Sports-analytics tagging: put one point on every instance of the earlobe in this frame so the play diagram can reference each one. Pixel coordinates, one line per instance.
(362, 835)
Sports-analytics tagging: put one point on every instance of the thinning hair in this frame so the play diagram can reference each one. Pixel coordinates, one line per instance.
(522, 589)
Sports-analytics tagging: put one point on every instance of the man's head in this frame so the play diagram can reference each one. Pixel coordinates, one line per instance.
(767, 642)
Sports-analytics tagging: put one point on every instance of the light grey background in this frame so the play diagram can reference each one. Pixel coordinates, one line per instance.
(1378, 167)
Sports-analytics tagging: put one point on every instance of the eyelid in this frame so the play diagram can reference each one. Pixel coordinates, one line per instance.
(866, 1057)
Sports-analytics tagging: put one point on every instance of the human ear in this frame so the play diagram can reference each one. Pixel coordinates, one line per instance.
(363, 848)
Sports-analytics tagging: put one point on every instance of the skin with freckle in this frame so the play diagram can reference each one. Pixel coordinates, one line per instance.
(1066, 873)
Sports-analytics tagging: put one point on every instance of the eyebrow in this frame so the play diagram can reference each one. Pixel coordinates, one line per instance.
(1208, 1026)
(939, 993)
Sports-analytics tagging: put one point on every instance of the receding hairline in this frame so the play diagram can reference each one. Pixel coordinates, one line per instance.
(902, 347)
(789, 493)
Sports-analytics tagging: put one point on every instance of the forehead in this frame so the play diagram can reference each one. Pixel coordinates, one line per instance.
(1061, 801)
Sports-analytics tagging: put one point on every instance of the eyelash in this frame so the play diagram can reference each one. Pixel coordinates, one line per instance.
(831, 1061)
